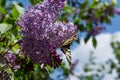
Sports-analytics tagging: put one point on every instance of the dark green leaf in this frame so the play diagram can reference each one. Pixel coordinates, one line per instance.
(78, 41)
(89, 26)
(87, 38)
(76, 21)
(81, 13)
(83, 5)
(2, 3)
(94, 42)
(10, 20)
(81, 27)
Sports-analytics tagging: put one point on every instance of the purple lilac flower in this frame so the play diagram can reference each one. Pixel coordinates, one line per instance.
(96, 30)
(16, 67)
(109, 10)
(42, 34)
(73, 67)
(11, 59)
(117, 11)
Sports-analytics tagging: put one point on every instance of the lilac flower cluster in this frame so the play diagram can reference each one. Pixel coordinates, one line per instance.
(96, 30)
(11, 59)
(105, 16)
(110, 10)
(42, 34)
(117, 11)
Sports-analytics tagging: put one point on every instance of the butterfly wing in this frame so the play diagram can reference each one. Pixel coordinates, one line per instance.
(66, 48)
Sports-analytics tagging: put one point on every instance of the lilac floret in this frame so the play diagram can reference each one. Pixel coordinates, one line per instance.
(11, 59)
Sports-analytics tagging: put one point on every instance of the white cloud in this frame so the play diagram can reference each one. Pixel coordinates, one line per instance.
(102, 53)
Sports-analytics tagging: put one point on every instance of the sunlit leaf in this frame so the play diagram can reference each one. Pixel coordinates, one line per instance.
(2, 10)
(19, 8)
(68, 9)
(114, 2)
(5, 27)
(15, 13)
(33, 2)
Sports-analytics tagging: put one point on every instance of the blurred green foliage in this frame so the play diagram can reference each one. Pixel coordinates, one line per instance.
(33, 2)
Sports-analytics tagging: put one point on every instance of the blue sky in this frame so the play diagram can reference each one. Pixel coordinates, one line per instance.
(115, 22)
(115, 26)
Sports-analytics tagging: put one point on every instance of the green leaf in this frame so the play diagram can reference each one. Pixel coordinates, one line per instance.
(83, 5)
(2, 3)
(49, 69)
(81, 27)
(2, 10)
(94, 41)
(33, 2)
(89, 26)
(78, 41)
(76, 21)
(68, 9)
(19, 8)
(10, 20)
(114, 2)
(87, 38)
(4, 28)
(15, 13)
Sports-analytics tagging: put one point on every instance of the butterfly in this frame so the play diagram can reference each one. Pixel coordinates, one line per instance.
(65, 47)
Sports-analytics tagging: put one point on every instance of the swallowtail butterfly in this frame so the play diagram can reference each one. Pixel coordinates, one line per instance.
(66, 48)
